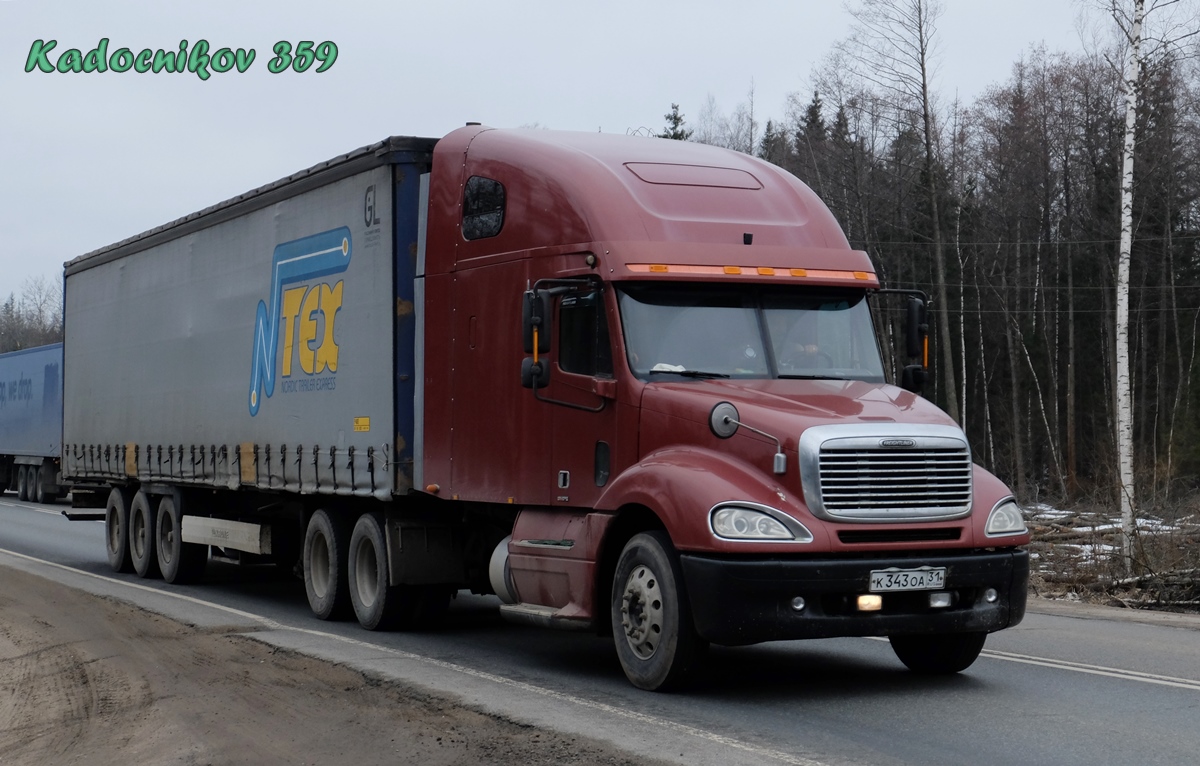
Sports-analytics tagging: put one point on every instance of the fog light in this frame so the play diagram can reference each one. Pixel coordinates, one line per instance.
(991, 596)
(798, 604)
(870, 603)
(940, 600)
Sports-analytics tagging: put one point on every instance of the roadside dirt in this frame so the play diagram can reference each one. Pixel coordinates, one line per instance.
(90, 680)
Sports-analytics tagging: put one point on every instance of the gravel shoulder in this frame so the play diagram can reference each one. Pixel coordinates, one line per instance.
(90, 679)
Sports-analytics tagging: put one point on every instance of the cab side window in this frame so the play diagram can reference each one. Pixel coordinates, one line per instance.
(483, 208)
(583, 343)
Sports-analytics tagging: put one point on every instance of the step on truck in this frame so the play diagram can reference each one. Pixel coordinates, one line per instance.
(31, 423)
(628, 385)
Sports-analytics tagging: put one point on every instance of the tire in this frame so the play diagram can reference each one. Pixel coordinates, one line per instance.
(142, 537)
(48, 496)
(178, 561)
(376, 604)
(326, 551)
(655, 638)
(22, 483)
(940, 653)
(116, 530)
(39, 483)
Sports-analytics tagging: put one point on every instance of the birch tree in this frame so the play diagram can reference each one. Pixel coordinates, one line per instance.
(1131, 22)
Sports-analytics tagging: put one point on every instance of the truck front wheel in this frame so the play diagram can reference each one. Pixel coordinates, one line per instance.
(326, 550)
(655, 638)
(116, 530)
(940, 653)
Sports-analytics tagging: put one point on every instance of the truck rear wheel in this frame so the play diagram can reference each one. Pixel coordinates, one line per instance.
(940, 653)
(655, 638)
(376, 604)
(141, 536)
(116, 530)
(178, 561)
(326, 550)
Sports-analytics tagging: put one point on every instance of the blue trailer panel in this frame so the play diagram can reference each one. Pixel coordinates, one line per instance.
(31, 402)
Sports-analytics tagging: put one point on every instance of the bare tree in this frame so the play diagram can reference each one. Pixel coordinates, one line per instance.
(893, 43)
(737, 131)
(34, 319)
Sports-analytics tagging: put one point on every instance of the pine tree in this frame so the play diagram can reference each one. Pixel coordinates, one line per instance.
(674, 128)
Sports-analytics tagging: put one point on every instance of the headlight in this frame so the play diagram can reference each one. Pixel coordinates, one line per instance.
(754, 522)
(1005, 520)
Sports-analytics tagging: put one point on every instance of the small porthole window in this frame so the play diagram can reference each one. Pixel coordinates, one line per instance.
(483, 208)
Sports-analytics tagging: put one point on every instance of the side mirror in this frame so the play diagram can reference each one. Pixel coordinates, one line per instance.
(915, 329)
(536, 311)
(534, 374)
(914, 377)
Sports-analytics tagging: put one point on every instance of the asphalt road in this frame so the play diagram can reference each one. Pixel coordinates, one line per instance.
(1070, 685)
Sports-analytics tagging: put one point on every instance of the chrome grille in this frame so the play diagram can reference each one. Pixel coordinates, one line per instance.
(886, 479)
(857, 473)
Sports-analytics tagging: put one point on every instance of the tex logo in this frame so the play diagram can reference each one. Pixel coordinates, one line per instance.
(303, 312)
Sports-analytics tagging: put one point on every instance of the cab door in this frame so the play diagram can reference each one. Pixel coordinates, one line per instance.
(583, 390)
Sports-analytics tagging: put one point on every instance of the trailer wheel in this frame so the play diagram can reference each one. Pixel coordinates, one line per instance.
(22, 483)
(40, 488)
(178, 561)
(326, 549)
(938, 654)
(652, 620)
(141, 536)
(116, 530)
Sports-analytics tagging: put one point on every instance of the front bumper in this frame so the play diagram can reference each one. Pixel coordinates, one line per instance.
(747, 601)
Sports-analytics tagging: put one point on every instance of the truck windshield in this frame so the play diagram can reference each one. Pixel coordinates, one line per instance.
(748, 331)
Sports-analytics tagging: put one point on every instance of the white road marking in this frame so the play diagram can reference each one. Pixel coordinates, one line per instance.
(22, 506)
(1098, 670)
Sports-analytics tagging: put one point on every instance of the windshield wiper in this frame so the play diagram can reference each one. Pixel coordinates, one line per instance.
(689, 373)
(811, 377)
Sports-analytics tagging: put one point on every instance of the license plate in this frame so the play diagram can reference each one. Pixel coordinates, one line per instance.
(894, 579)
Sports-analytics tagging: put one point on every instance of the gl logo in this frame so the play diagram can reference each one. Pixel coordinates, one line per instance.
(369, 211)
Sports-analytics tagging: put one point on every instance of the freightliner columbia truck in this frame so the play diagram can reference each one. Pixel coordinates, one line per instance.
(628, 385)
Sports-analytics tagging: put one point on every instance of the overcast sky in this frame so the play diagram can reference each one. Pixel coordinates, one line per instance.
(90, 159)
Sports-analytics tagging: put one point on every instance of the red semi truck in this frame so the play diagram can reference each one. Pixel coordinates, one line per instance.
(629, 385)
